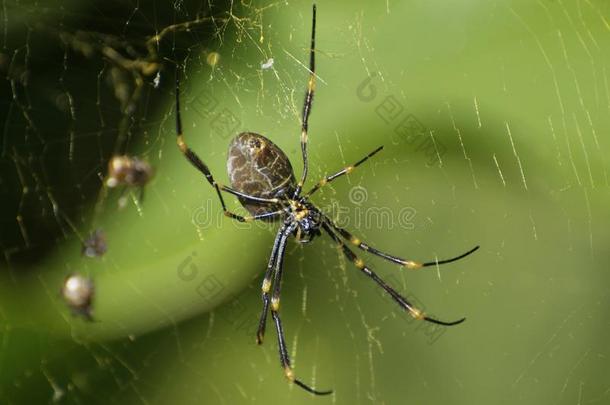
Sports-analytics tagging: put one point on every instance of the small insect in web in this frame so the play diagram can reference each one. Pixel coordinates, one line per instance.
(128, 171)
(78, 291)
(263, 181)
(95, 245)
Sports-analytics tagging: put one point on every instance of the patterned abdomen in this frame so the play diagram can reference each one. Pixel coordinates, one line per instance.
(257, 167)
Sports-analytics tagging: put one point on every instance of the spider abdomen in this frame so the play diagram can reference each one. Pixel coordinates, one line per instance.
(258, 167)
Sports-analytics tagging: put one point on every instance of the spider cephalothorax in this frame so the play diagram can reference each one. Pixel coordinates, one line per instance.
(263, 180)
(308, 220)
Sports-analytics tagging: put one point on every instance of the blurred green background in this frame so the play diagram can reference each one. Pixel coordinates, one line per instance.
(494, 117)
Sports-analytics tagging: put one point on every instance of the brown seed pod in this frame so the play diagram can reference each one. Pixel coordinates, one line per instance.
(258, 167)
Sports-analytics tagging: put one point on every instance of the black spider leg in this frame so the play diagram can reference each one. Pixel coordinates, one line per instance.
(345, 170)
(266, 285)
(122, 201)
(311, 85)
(410, 264)
(203, 168)
(275, 307)
(400, 300)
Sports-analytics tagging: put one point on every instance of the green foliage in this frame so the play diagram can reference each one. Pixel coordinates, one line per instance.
(493, 117)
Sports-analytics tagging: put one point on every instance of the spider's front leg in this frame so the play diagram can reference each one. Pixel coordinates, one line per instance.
(192, 157)
(308, 102)
(345, 170)
(266, 286)
(279, 249)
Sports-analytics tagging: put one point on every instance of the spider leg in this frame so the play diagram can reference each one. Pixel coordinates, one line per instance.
(275, 307)
(285, 361)
(311, 85)
(249, 218)
(203, 168)
(345, 170)
(141, 195)
(122, 201)
(266, 285)
(410, 264)
(400, 300)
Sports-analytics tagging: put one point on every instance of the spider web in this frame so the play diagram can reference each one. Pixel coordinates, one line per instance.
(493, 116)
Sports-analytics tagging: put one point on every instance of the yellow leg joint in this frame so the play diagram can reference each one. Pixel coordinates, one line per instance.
(311, 85)
(266, 286)
(289, 373)
(359, 263)
(275, 304)
(417, 314)
(412, 265)
(181, 143)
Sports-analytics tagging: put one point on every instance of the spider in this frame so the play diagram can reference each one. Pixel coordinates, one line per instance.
(263, 181)
(128, 171)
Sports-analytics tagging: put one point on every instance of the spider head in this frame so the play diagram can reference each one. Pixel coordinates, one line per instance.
(308, 221)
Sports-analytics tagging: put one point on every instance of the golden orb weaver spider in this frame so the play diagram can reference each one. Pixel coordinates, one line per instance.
(263, 180)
